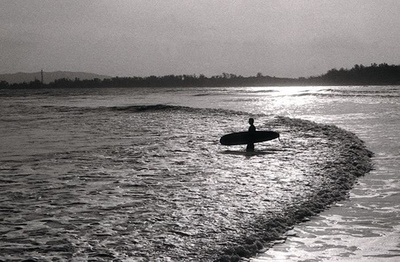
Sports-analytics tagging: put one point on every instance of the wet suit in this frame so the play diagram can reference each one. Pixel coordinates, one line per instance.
(252, 130)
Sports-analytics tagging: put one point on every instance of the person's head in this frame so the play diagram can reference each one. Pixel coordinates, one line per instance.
(251, 121)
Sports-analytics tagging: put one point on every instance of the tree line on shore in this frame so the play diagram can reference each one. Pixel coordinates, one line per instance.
(382, 74)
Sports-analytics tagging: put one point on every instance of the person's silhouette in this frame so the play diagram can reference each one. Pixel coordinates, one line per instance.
(252, 130)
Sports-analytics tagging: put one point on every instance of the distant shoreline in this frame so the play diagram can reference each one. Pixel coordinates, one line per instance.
(359, 75)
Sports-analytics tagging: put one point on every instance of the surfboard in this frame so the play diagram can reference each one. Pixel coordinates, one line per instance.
(243, 138)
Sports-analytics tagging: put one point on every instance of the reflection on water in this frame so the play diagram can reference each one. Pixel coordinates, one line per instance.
(147, 182)
(88, 175)
(366, 227)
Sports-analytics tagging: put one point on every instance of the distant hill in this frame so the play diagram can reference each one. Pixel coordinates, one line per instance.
(48, 76)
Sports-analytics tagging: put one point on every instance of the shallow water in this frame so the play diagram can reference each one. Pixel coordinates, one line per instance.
(90, 174)
(366, 226)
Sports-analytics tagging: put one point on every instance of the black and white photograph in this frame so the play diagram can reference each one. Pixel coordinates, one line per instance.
(199, 130)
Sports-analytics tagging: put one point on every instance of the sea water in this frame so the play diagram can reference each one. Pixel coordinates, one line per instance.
(138, 174)
(365, 227)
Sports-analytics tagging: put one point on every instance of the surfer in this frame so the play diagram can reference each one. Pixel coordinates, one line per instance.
(252, 130)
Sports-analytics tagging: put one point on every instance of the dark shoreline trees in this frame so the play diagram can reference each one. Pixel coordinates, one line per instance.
(382, 74)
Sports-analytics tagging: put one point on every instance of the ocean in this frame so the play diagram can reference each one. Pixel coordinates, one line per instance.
(138, 174)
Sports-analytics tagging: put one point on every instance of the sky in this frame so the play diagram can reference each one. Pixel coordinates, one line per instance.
(282, 38)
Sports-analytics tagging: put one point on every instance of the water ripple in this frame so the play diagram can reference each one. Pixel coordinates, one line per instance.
(154, 184)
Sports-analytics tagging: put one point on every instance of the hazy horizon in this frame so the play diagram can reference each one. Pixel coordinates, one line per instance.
(140, 38)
